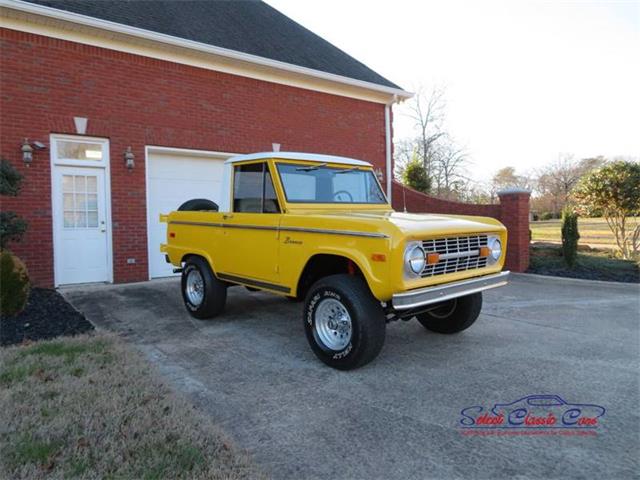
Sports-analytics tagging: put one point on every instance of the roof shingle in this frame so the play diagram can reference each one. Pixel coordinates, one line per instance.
(249, 26)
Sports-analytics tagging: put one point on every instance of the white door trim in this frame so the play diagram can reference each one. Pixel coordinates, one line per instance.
(148, 149)
(104, 165)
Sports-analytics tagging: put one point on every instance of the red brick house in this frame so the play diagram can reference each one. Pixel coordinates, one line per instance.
(131, 107)
(175, 88)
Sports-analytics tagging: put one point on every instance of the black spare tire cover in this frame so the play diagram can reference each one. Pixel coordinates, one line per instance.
(198, 205)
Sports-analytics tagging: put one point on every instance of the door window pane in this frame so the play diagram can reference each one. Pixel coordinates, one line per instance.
(92, 201)
(80, 201)
(67, 183)
(270, 197)
(68, 201)
(70, 150)
(69, 220)
(92, 184)
(247, 188)
(92, 219)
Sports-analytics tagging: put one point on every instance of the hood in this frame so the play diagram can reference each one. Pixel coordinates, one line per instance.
(416, 225)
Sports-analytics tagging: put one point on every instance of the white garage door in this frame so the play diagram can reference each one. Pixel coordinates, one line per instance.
(174, 177)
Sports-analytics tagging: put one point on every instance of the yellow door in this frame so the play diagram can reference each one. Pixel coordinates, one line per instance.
(251, 245)
(251, 230)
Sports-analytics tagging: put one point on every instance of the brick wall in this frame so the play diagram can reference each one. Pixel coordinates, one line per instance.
(513, 212)
(138, 101)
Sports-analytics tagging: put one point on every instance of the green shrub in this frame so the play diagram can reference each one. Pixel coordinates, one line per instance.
(546, 216)
(10, 179)
(415, 176)
(14, 284)
(12, 228)
(570, 236)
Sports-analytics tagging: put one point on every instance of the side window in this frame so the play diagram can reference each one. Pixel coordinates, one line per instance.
(270, 197)
(253, 190)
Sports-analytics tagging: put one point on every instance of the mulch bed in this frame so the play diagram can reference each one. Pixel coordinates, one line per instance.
(592, 264)
(47, 315)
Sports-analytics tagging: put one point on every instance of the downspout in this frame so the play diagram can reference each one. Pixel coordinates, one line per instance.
(387, 134)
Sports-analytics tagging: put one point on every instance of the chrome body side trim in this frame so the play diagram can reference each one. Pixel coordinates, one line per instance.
(282, 229)
(448, 291)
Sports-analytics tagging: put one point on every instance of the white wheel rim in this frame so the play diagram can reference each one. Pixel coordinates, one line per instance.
(333, 324)
(194, 287)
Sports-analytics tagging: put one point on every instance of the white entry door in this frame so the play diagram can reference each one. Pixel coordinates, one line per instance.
(80, 224)
(173, 177)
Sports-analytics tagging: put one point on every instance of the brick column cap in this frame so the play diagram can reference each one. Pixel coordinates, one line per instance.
(513, 191)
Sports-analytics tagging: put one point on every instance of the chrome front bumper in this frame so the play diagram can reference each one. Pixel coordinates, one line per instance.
(440, 293)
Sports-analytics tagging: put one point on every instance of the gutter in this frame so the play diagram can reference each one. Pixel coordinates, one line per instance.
(197, 46)
(387, 144)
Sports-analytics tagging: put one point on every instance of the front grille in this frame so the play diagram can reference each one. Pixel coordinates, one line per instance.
(456, 254)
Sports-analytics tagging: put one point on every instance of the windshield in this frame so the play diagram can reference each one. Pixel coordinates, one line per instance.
(321, 184)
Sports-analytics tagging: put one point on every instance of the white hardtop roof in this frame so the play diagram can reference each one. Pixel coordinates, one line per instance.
(312, 157)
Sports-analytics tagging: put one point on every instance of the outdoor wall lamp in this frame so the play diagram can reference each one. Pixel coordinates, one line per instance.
(129, 158)
(27, 152)
(379, 174)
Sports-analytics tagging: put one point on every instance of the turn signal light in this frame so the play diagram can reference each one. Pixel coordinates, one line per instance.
(485, 251)
(433, 258)
(172, 235)
(378, 257)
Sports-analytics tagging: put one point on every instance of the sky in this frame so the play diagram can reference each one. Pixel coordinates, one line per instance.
(526, 81)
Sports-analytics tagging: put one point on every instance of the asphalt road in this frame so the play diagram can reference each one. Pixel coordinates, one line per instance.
(399, 417)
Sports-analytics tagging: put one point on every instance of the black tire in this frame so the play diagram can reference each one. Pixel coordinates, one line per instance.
(198, 205)
(368, 322)
(453, 316)
(214, 291)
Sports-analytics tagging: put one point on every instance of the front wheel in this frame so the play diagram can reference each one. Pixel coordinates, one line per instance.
(454, 315)
(203, 294)
(343, 322)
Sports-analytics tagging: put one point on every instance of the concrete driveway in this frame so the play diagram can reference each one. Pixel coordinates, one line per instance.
(398, 417)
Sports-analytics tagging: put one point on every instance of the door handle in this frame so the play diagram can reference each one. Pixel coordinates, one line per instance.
(103, 227)
(227, 216)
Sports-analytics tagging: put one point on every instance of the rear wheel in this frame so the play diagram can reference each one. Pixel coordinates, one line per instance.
(203, 294)
(454, 315)
(344, 324)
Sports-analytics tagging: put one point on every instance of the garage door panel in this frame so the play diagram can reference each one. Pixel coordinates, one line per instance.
(172, 180)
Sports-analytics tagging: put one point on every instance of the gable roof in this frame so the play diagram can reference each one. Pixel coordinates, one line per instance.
(248, 26)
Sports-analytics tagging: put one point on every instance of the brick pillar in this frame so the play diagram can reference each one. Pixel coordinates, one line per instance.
(514, 214)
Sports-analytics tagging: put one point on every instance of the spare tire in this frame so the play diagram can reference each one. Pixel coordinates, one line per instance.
(198, 205)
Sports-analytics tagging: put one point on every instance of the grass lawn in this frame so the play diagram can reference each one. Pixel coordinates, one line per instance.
(592, 265)
(593, 232)
(88, 407)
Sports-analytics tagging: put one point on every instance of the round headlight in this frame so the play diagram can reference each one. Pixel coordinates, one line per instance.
(496, 249)
(414, 258)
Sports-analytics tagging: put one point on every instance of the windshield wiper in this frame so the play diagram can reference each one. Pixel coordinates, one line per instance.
(311, 168)
(348, 170)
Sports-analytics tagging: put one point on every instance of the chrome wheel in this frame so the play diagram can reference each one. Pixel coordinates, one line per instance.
(445, 310)
(333, 324)
(194, 287)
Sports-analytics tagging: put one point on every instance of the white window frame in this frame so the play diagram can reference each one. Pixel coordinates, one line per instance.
(103, 164)
(72, 162)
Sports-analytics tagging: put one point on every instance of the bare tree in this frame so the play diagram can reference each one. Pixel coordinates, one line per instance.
(507, 177)
(428, 113)
(555, 181)
(448, 168)
(442, 159)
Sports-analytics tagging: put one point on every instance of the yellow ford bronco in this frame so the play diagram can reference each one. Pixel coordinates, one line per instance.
(319, 228)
